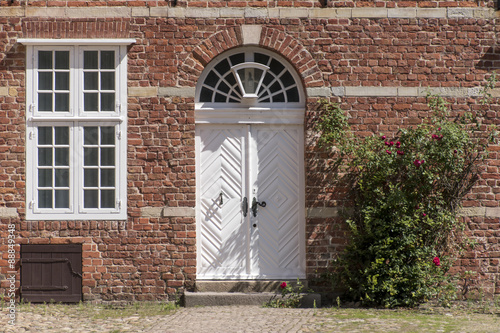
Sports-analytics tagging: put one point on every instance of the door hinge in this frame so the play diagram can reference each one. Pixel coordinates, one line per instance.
(119, 204)
(31, 135)
(119, 135)
(31, 204)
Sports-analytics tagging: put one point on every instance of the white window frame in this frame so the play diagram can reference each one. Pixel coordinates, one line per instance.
(76, 119)
(249, 110)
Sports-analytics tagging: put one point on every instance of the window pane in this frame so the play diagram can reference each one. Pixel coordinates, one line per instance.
(292, 94)
(44, 135)
(90, 135)
(44, 59)
(45, 81)
(90, 81)
(287, 79)
(107, 59)
(107, 198)
(90, 178)
(261, 58)
(107, 135)
(90, 60)
(206, 95)
(45, 156)
(62, 198)
(62, 177)
(108, 102)
(237, 58)
(108, 81)
(62, 156)
(62, 135)
(223, 87)
(62, 81)
(45, 198)
(108, 156)
(276, 67)
(223, 67)
(212, 79)
(230, 79)
(108, 177)
(62, 59)
(90, 156)
(62, 102)
(44, 102)
(90, 102)
(90, 198)
(45, 177)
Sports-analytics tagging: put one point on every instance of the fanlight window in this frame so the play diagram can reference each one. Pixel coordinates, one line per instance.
(249, 76)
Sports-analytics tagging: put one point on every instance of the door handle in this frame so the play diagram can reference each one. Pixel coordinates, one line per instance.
(255, 204)
(244, 206)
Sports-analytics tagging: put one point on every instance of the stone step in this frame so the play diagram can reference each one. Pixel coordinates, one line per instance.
(244, 286)
(211, 298)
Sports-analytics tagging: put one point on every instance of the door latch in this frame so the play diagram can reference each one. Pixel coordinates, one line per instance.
(221, 202)
(255, 204)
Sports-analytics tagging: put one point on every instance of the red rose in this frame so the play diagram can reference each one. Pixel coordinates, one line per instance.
(388, 152)
(283, 285)
(436, 261)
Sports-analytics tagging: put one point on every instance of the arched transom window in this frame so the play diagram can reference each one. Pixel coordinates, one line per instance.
(249, 76)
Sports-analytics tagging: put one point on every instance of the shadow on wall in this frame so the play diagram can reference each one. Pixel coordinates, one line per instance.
(490, 61)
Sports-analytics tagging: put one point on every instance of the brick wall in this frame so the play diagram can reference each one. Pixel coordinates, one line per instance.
(378, 63)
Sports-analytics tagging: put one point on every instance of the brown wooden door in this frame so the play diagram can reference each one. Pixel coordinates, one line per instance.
(51, 273)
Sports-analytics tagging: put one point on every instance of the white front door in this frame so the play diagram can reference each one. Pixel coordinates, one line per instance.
(237, 238)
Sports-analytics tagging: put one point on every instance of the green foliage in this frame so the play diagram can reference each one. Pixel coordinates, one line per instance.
(407, 191)
(287, 296)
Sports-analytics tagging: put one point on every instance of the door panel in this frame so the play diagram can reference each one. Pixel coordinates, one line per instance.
(223, 238)
(276, 179)
(253, 161)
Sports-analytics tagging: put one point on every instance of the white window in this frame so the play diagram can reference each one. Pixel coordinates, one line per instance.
(76, 141)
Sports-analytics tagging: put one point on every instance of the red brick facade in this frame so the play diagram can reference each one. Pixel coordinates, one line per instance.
(378, 62)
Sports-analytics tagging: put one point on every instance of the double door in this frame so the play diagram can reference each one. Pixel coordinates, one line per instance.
(250, 200)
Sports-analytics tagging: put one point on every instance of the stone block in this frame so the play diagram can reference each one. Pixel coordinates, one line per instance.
(178, 212)
(432, 12)
(460, 12)
(176, 91)
(256, 12)
(407, 91)
(344, 12)
(143, 91)
(293, 13)
(251, 34)
(159, 11)
(402, 12)
(323, 13)
(371, 91)
(202, 12)
(318, 92)
(369, 12)
(232, 12)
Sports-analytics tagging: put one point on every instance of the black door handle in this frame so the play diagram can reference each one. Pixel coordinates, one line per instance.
(255, 203)
(244, 206)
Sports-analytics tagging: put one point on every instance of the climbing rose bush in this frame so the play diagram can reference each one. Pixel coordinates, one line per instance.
(407, 190)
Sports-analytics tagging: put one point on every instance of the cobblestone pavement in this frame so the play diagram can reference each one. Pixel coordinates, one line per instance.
(230, 319)
(246, 319)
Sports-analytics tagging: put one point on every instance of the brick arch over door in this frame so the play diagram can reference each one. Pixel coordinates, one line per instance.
(270, 38)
